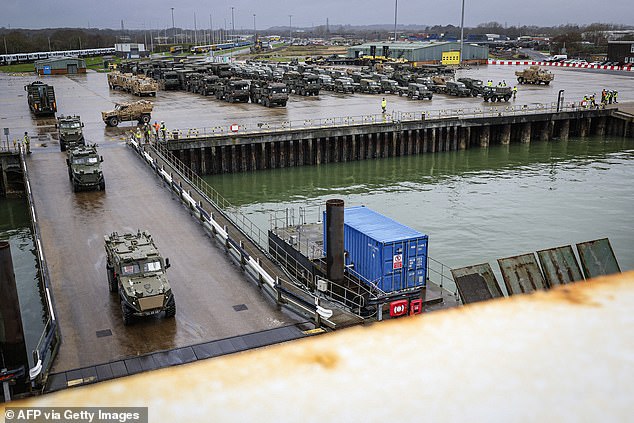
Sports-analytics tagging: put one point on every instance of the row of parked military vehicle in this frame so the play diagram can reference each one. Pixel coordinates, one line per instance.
(261, 82)
(135, 84)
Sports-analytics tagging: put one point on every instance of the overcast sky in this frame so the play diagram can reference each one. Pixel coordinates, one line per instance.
(139, 14)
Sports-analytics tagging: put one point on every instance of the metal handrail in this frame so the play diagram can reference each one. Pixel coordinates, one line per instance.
(492, 110)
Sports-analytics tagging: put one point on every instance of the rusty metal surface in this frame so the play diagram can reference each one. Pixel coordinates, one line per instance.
(597, 258)
(559, 265)
(564, 355)
(476, 283)
(521, 274)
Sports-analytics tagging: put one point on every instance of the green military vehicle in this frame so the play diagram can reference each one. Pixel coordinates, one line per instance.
(140, 111)
(41, 98)
(309, 84)
(457, 89)
(389, 86)
(69, 132)
(136, 270)
(498, 93)
(208, 85)
(344, 85)
(170, 80)
(370, 86)
(475, 85)
(84, 168)
(269, 93)
(417, 91)
(233, 90)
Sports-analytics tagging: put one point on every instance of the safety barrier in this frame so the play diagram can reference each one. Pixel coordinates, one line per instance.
(48, 343)
(627, 68)
(494, 110)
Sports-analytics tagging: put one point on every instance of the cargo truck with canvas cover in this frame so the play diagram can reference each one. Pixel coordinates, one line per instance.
(136, 270)
(388, 255)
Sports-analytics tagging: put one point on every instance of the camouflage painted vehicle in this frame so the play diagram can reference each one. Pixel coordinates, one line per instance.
(534, 75)
(142, 86)
(69, 132)
(140, 111)
(136, 270)
(84, 168)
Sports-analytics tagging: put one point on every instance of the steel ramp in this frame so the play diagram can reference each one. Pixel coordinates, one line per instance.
(560, 265)
(597, 258)
(476, 283)
(521, 274)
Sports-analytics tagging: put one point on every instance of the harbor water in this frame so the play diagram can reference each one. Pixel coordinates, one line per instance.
(15, 228)
(476, 205)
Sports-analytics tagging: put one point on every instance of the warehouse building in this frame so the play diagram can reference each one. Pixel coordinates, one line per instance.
(60, 66)
(423, 52)
(621, 52)
(130, 50)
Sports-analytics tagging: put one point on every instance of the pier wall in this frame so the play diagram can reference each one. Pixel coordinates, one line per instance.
(231, 153)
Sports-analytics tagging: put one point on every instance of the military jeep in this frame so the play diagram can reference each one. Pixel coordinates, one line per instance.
(69, 132)
(140, 111)
(84, 168)
(136, 270)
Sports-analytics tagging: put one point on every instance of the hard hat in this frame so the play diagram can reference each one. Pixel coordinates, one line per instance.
(26, 133)
(162, 121)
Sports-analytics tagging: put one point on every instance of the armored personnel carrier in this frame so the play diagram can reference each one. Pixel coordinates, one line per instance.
(269, 93)
(41, 98)
(84, 168)
(136, 270)
(140, 110)
(534, 75)
(69, 132)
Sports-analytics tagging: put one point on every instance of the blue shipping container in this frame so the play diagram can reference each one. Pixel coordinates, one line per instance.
(388, 254)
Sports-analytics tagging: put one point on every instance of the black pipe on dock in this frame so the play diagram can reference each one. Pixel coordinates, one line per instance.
(334, 240)
(232, 153)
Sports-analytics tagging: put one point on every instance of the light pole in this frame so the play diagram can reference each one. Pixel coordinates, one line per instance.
(395, 10)
(254, 24)
(462, 32)
(233, 27)
(173, 28)
(290, 29)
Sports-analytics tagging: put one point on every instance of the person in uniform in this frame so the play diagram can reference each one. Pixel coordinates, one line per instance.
(27, 143)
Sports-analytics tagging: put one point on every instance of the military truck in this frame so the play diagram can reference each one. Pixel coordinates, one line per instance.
(69, 132)
(140, 111)
(534, 75)
(233, 90)
(498, 93)
(170, 80)
(84, 168)
(457, 89)
(418, 92)
(344, 85)
(369, 86)
(389, 86)
(207, 86)
(475, 85)
(141, 86)
(136, 270)
(41, 98)
(326, 82)
(269, 93)
(307, 85)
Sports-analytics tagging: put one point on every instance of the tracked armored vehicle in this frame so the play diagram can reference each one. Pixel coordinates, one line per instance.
(84, 168)
(41, 98)
(136, 270)
(69, 132)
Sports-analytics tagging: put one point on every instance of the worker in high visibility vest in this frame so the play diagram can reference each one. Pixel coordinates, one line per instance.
(27, 143)
(163, 130)
(157, 128)
(383, 105)
(514, 91)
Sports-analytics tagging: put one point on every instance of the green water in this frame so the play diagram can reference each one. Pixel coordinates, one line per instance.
(476, 205)
(15, 227)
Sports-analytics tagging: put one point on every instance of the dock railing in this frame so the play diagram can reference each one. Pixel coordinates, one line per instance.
(395, 117)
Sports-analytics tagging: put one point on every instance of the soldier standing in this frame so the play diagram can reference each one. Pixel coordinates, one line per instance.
(27, 143)
(615, 95)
